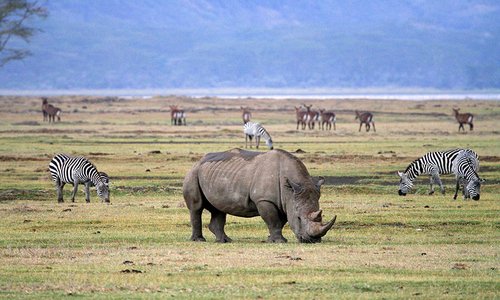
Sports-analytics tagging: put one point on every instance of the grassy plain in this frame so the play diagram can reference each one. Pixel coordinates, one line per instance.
(382, 246)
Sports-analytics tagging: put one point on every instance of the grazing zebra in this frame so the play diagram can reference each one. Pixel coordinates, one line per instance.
(432, 164)
(465, 118)
(246, 115)
(465, 167)
(328, 118)
(251, 129)
(75, 170)
(365, 118)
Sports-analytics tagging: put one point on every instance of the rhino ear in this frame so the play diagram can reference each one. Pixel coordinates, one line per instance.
(321, 181)
(297, 188)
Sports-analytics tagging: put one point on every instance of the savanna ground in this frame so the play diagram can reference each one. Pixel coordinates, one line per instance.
(382, 246)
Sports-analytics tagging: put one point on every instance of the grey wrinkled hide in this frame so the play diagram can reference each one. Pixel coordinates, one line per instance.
(275, 185)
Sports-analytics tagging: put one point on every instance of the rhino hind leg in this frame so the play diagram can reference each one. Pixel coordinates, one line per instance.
(216, 226)
(273, 220)
(194, 201)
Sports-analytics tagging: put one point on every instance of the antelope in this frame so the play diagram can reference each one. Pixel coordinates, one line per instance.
(45, 103)
(53, 112)
(246, 114)
(328, 118)
(365, 118)
(312, 116)
(301, 116)
(465, 118)
(177, 116)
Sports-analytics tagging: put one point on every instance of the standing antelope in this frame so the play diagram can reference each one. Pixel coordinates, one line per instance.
(246, 115)
(45, 103)
(365, 118)
(312, 116)
(328, 118)
(53, 112)
(301, 116)
(177, 116)
(465, 118)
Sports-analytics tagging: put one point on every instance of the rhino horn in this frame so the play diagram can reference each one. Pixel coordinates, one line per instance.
(323, 229)
(315, 216)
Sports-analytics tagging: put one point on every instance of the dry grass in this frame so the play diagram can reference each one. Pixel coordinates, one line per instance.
(383, 245)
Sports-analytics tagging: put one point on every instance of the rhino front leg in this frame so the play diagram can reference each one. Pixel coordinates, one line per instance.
(271, 215)
(216, 226)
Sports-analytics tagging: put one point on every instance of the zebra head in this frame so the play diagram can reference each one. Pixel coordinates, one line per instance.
(269, 144)
(103, 191)
(405, 184)
(473, 189)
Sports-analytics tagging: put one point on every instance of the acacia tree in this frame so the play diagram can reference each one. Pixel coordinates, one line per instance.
(13, 14)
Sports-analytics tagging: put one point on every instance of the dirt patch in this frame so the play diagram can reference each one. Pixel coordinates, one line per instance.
(17, 194)
(21, 158)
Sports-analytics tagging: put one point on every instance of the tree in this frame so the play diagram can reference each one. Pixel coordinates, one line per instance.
(13, 14)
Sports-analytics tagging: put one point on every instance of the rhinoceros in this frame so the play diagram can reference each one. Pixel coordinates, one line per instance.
(275, 185)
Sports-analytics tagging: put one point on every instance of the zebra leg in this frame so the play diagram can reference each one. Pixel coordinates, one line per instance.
(257, 141)
(59, 188)
(216, 226)
(431, 179)
(456, 189)
(75, 189)
(367, 127)
(437, 180)
(87, 192)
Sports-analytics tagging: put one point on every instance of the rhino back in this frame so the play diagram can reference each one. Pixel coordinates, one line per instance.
(234, 181)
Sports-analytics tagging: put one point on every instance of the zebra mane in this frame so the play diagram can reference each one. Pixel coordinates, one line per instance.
(471, 164)
(413, 163)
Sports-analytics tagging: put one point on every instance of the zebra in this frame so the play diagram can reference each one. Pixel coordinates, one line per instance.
(433, 164)
(465, 168)
(75, 170)
(365, 118)
(251, 129)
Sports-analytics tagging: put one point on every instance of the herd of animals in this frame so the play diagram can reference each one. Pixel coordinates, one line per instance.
(275, 185)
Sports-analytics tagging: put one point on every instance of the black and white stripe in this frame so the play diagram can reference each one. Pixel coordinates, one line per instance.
(465, 168)
(75, 170)
(432, 164)
(251, 129)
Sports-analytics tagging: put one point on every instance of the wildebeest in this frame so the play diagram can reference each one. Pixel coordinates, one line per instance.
(275, 185)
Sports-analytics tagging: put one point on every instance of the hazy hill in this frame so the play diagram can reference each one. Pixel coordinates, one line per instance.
(101, 44)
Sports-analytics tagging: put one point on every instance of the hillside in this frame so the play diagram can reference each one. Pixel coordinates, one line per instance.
(187, 44)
